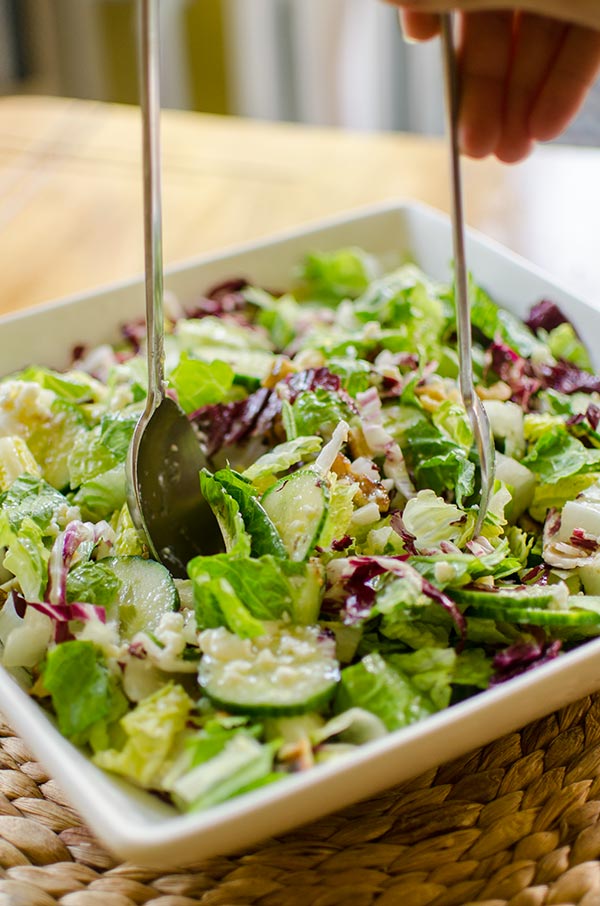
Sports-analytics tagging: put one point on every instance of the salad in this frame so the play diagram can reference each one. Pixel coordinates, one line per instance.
(351, 597)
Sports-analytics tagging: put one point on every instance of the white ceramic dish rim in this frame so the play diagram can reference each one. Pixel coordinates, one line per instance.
(138, 827)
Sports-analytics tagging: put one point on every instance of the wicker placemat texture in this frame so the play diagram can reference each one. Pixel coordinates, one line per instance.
(514, 823)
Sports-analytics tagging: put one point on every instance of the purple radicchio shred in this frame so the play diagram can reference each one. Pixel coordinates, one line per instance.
(536, 576)
(545, 315)
(134, 332)
(593, 415)
(340, 544)
(391, 387)
(397, 524)
(362, 592)
(525, 377)
(224, 424)
(223, 299)
(586, 542)
(448, 604)
(515, 371)
(60, 614)
(567, 378)
(524, 655)
(309, 380)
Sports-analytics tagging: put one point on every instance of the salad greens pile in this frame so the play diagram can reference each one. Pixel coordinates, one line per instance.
(351, 597)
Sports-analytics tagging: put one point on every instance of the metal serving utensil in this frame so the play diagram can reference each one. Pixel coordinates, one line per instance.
(163, 486)
(473, 405)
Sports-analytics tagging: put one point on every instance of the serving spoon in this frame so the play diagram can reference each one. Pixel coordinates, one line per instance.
(165, 458)
(473, 405)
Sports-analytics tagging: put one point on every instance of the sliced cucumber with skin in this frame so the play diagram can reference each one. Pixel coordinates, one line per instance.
(297, 506)
(534, 616)
(289, 670)
(147, 592)
(506, 599)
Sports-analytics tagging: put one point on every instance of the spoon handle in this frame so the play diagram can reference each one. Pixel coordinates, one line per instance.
(150, 98)
(472, 403)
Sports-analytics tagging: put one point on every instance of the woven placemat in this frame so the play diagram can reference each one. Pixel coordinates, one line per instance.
(514, 823)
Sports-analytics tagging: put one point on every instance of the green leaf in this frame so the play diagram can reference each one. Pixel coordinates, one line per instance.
(375, 686)
(100, 496)
(319, 411)
(565, 344)
(200, 384)
(26, 557)
(556, 455)
(332, 276)
(492, 321)
(227, 511)
(556, 494)
(260, 584)
(92, 582)
(151, 729)
(262, 473)
(265, 538)
(437, 462)
(231, 611)
(82, 688)
(33, 498)
(116, 431)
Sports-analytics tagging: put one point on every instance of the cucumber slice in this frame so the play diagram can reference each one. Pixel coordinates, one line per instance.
(506, 599)
(290, 670)
(551, 619)
(297, 506)
(147, 592)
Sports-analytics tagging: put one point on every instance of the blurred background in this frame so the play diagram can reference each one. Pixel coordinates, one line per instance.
(326, 62)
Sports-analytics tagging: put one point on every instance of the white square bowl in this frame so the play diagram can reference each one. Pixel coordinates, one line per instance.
(134, 824)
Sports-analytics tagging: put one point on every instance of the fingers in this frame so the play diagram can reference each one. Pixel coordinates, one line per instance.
(537, 41)
(419, 26)
(485, 54)
(582, 12)
(573, 72)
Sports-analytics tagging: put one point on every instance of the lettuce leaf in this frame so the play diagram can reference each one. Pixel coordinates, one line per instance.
(26, 557)
(84, 693)
(151, 729)
(199, 383)
(264, 537)
(556, 455)
(376, 686)
(330, 277)
(264, 471)
(436, 462)
(33, 498)
(267, 587)
(93, 582)
(100, 496)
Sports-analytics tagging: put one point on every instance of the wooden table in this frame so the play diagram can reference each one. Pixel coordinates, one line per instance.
(70, 192)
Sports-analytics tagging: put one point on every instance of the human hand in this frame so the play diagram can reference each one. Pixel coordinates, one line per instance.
(525, 72)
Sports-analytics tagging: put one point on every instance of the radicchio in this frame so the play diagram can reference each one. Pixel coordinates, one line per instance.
(224, 298)
(525, 377)
(381, 443)
(545, 315)
(60, 614)
(524, 655)
(224, 424)
(591, 415)
(82, 537)
(357, 577)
